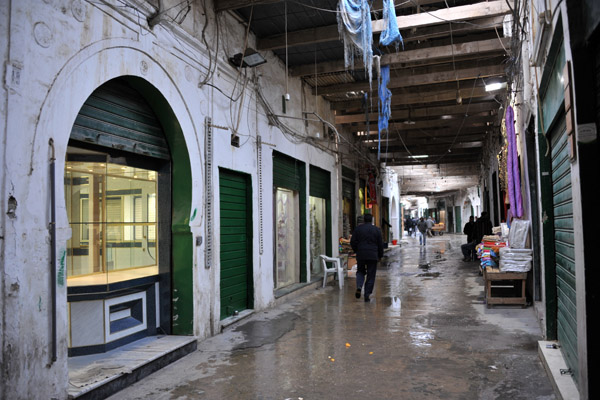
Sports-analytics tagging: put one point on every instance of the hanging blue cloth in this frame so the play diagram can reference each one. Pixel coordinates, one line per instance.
(384, 104)
(391, 33)
(354, 26)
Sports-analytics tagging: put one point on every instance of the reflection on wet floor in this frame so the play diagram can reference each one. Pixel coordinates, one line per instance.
(424, 335)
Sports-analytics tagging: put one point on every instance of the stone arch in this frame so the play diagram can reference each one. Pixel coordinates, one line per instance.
(73, 84)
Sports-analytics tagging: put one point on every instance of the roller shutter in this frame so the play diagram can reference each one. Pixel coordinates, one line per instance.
(118, 117)
(564, 242)
(236, 243)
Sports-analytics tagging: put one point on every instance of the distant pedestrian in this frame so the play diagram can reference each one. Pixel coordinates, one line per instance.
(422, 227)
(481, 227)
(467, 249)
(367, 243)
(430, 223)
(409, 226)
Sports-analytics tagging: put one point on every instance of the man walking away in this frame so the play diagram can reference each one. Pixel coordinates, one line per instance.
(422, 227)
(367, 243)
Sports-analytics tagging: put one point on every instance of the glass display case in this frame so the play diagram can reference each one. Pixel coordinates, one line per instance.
(112, 212)
(287, 253)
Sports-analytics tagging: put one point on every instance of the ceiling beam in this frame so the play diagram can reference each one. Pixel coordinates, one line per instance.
(225, 5)
(418, 98)
(330, 33)
(432, 123)
(407, 79)
(425, 112)
(426, 54)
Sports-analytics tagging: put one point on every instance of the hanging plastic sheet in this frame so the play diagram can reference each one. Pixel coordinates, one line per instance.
(391, 33)
(519, 231)
(512, 167)
(354, 26)
(384, 105)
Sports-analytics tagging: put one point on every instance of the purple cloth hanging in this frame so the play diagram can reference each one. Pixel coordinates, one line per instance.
(512, 167)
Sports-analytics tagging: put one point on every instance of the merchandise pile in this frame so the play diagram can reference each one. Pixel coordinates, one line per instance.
(488, 250)
(515, 260)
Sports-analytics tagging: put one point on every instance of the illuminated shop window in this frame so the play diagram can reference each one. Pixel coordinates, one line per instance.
(113, 218)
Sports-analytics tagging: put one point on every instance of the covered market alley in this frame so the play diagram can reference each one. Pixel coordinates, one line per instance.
(425, 334)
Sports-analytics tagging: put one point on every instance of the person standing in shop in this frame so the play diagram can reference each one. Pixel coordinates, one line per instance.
(367, 243)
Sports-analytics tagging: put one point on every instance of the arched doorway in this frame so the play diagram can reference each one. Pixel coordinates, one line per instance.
(128, 200)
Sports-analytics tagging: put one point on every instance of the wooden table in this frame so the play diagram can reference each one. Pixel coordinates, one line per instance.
(512, 279)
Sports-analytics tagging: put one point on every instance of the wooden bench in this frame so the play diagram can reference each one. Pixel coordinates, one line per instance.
(504, 283)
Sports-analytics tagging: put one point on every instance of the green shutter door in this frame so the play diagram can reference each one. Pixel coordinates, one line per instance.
(236, 243)
(564, 244)
(118, 117)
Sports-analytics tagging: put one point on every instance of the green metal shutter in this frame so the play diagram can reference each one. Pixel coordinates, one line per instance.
(236, 243)
(348, 190)
(319, 185)
(118, 117)
(564, 246)
(290, 173)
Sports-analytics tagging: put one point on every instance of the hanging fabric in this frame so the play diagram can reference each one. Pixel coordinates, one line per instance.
(384, 104)
(354, 26)
(391, 33)
(512, 167)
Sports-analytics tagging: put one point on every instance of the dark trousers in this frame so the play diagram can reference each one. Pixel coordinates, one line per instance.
(468, 249)
(368, 268)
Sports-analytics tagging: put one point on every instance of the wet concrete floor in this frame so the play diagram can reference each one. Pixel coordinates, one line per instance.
(425, 334)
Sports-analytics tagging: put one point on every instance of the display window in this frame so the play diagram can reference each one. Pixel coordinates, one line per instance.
(112, 211)
(287, 234)
(318, 237)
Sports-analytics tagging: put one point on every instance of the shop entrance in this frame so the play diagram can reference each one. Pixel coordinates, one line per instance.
(125, 219)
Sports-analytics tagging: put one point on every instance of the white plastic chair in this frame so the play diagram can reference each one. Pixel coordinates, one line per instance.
(336, 267)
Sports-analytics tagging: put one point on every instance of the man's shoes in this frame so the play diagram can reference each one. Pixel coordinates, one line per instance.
(367, 299)
(466, 259)
(357, 294)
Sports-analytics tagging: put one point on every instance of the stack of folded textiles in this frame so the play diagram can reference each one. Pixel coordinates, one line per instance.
(515, 260)
(488, 251)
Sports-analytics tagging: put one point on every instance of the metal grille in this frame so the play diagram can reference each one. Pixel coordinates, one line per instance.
(208, 193)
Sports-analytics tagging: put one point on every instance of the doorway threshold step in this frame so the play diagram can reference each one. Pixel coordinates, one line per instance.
(98, 376)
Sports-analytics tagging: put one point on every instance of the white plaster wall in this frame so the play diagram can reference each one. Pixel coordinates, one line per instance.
(391, 190)
(63, 50)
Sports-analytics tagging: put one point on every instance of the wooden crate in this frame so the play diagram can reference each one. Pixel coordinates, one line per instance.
(505, 283)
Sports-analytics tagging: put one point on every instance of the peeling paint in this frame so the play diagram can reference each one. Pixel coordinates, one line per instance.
(60, 278)
(12, 207)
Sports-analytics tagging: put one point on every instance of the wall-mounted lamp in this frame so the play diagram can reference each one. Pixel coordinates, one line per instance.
(249, 58)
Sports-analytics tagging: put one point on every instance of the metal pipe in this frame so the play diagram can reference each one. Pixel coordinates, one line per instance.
(53, 250)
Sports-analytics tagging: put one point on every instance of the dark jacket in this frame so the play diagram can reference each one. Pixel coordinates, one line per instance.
(483, 226)
(367, 242)
(469, 226)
